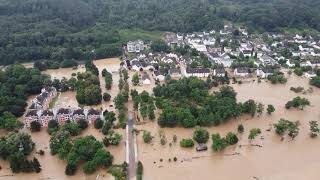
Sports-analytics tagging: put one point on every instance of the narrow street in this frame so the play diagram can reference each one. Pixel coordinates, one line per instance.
(131, 149)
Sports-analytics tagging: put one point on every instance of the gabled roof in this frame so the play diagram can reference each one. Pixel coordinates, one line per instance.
(31, 113)
(243, 70)
(197, 70)
(78, 112)
(64, 111)
(47, 113)
(220, 70)
(93, 112)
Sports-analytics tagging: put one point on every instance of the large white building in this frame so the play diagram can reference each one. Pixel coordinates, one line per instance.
(135, 46)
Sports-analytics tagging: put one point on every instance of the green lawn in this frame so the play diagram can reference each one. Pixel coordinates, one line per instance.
(132, 34)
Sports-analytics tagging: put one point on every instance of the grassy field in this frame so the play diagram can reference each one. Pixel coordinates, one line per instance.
(132, 34)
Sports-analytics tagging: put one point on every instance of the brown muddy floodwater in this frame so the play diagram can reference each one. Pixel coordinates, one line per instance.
(275, 160)
(52, 167)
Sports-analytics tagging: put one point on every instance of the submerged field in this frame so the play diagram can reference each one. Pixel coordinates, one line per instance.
(275, 160)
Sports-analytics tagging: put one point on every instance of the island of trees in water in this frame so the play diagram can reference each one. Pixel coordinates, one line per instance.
(188, 103)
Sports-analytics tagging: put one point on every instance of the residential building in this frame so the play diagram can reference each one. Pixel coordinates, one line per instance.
(31, 116)
(146, 79)
(135, 46)
(264, 72)
(219, 72)
(175, 73)
(64, 115)
(93, 115)
(197, 72)
(241, 72)
(310, 74)
(78, 114)
(45, 117)
(159, 76)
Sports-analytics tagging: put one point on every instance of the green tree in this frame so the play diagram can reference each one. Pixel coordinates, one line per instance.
(231, 138)
(9, 121)
(314, 129)
(200, 135)
(218, 143)
(106, 97)
(254, 133)
(135, 79)
(270, 109)
(240, 128)
(250, 107)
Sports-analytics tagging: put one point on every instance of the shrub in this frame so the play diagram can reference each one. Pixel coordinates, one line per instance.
(240, 128)
(232, 138)
(186, 143)
(147, 136)
(254, 133)
(218, 143)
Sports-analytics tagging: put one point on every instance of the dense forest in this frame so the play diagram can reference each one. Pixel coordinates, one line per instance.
(85, 29)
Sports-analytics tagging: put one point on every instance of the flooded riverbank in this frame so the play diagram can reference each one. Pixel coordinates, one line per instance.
(275, 160)
(52, 167)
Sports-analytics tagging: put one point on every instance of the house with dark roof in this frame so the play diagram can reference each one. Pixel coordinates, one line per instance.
(32, 115)
(93, 115)
(78, 114)
(219, 72)
(136, 65)
(197, 72)
(42, 101)
(175, 73)
(146, 79)
(241, 72)
(159, 76)
(45, 117)
(63, 115)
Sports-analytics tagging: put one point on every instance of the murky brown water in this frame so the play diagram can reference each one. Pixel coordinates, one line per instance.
(276, 160)
(52, 167)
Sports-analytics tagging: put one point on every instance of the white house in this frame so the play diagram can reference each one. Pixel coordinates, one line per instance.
(310, 74)
(315, 63)
(135, 46)
(267, 60)
(264, 73)
(241, 72)
(290, 63)
(197, 72)
(146, 79)
(159, 76)
(305, 64)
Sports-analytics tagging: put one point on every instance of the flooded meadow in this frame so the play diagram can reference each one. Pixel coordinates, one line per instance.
(272, 159)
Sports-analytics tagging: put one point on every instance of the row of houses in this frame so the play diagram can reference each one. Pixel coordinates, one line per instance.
(61, 116)
(42, 101)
